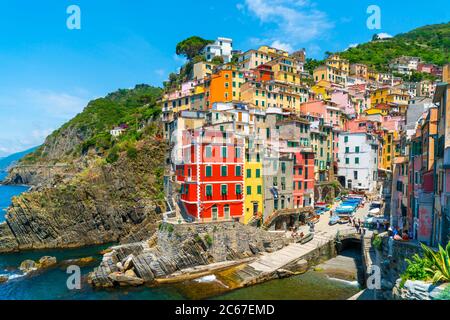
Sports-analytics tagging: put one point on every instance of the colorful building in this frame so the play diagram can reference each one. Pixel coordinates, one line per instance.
(211, 175)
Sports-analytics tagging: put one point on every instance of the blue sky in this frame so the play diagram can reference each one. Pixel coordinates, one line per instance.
(48, 73)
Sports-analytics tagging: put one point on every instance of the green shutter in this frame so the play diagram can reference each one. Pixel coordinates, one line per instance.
(249, 190)
(356, 160)
(224, 190)
(347, 161)
(259, 190)
(224, 152)
(258, 173)
(238, 171)
(238, 189)
(208, 171)
(357, 149)
(209, 191)
(249, 173)
(224, 170)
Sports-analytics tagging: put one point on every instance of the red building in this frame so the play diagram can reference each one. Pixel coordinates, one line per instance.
(211, 175)
(303, 178)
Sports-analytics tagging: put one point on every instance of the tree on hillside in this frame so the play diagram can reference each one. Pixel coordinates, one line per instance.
(217, 60)
(191, 47)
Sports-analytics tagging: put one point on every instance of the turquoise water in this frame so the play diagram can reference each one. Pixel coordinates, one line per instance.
(51, 284)
(6, 193)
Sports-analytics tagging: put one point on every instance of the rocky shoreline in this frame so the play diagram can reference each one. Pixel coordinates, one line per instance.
(175, 248)
(103, 204)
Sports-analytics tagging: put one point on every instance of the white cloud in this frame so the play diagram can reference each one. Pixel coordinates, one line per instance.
(30, 115)
(59, 104)
(384, 35)
(281, 45)
(295, 22)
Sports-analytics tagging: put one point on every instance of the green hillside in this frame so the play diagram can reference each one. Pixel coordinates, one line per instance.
(89, 130)
(431, 43)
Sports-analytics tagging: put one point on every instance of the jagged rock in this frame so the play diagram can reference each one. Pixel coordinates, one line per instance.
(184, 248)
(28, 266)
(128, 264)
(102, 203)
(3, 279)
(79, 262)
(46, 262)
(127, 279)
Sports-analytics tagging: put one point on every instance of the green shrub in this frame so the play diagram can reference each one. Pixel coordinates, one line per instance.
(417, 269)
(132, 152)
(378, 243)
(209, 240)
(439, 263)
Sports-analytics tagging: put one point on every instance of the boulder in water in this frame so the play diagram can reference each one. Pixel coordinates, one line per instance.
(46, 262)
(126, 279)
(3, 279)
(78, 262)
(28, 266)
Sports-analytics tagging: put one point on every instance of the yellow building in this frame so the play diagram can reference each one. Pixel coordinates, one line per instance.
(330, 74)
(322, 90)
(253, 183)
(285, 69)
(201, 70)
(274, 94)
(395, 96)
(336, 62)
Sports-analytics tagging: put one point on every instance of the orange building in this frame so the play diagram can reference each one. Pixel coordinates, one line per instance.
(223, 86)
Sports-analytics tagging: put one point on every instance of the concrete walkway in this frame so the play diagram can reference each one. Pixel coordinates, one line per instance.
(269, 263)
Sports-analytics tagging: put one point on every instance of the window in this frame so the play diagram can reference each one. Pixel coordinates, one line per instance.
(249, 173)
(347, 149)
(209, 190)
(283, 167)
(355, 175)
(347, 161)
(226, 211)
(345, 139)
(238, 189)
(215, 212)
(224, 152)
(259, 189)
(224, 171)
(208, 152)
(258, 173)
(357, 149)
(224, 189)
(238, 171)
(208, 171)
(249, 190)
(356, 160)
(238, 153)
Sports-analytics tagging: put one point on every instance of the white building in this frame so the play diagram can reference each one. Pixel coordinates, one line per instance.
(358, 160)
(117, 131)
(223, 47)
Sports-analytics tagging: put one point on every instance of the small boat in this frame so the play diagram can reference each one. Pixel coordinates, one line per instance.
(315, 219)
(334, 220)
(343, 220)
(306, 238)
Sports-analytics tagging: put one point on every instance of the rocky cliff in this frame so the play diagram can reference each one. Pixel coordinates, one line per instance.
(177, 247)
(101, 204)
(87, 186)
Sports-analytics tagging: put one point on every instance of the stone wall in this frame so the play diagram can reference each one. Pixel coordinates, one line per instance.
(393, 263)
(418, 290)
